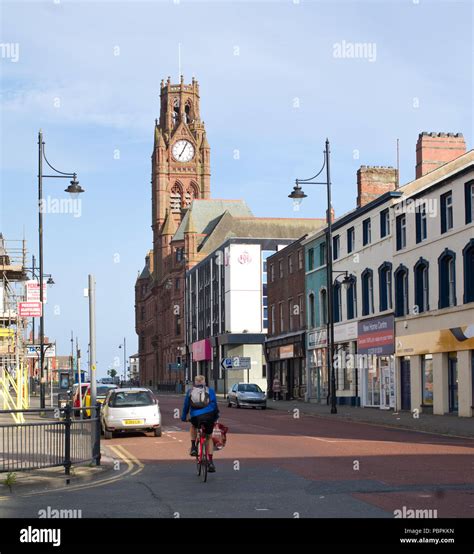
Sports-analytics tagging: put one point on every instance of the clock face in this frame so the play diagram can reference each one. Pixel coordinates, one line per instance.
(183, 151)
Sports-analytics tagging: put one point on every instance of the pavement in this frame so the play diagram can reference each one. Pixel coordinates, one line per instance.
(440, 424)
(277, 463)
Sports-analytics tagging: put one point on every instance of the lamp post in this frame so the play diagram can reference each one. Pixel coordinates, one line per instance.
(124, 358)
(185, 318)
(73, 188)
(297, 195)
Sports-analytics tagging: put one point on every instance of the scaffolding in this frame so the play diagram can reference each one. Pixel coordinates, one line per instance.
(14, 377)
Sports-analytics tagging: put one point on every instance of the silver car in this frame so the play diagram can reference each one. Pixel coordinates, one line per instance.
(130, 409)
(246, 394)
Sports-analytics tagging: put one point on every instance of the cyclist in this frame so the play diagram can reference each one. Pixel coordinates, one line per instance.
(201, 403)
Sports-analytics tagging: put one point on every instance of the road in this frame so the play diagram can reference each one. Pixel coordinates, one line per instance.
(275, 465)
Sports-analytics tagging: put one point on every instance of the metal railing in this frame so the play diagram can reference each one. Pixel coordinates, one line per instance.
(59, 441)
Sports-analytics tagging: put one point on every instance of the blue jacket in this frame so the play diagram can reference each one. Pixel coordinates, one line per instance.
(193, 412)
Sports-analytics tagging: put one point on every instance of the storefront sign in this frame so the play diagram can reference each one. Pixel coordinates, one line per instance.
(286, 351)
(316, 339)
(202, 350)
(376, 336)
(444, 340)
(345, 332)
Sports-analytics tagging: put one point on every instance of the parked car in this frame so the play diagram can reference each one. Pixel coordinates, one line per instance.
(103, 390)
(247, 394)
(130, 409)
(86, 399)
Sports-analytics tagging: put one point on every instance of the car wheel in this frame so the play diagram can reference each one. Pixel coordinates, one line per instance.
(108, 434)
(157, 432)
(264, 407)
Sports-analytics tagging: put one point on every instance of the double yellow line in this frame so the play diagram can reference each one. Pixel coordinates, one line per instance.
(134, 466)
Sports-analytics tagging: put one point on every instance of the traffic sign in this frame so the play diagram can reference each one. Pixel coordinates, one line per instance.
(226, 363)
(237, 362)
(29, 309)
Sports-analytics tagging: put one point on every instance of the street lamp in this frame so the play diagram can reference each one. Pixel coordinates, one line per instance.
(73, 188)
(124, 358)
(297, 195)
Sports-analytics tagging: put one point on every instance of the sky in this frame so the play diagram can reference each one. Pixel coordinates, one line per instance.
(276, 78)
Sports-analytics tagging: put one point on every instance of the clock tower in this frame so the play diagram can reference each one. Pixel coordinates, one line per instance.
(180, 159)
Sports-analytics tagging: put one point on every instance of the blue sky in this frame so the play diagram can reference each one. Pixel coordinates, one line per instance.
(271, 89)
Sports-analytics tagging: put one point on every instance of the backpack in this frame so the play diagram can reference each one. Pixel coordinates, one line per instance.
(199, 397)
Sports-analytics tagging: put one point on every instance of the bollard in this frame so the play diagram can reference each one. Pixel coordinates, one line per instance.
(96, 444)
(67, 439)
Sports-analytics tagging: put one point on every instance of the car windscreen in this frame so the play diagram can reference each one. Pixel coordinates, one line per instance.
(131, 399)
(102, 391)
(249, 388)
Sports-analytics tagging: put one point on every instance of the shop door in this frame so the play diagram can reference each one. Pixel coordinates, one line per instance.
(405, 383)
(453, 383)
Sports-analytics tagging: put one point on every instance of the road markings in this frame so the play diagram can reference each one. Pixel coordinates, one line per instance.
(127, 456)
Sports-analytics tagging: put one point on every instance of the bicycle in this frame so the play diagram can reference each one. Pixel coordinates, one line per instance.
(202, 461)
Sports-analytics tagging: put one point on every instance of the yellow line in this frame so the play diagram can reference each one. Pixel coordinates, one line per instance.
(91, 485)
(131, 457)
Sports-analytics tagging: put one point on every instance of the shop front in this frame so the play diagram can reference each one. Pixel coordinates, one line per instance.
(202, 359)
(318, 389)
(286, 360)
(347, 374)
(441, 369)
(376, 361)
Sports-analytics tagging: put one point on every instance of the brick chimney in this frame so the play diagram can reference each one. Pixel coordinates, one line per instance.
(436, 149)
(373, 181)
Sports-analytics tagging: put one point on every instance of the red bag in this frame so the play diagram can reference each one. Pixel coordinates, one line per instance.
(219, 436)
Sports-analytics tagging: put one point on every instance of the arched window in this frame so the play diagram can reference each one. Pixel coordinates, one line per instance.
(401, 291)
(175, 114)
(337, 302)
(188, 112)
(447, 279)
(190, 194)
(385, 286)
(421, 271)
(311, 311)
(468, 256)
(351, 298)
(367, 292)
(323, 307)
(175, 199)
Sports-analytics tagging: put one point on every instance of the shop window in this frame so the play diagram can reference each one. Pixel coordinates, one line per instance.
(447, 279)
(427, 379)
(421, 272)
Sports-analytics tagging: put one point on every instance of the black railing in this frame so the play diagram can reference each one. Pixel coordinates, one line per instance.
(59, 441)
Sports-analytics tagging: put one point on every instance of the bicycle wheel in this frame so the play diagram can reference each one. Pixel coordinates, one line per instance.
(198, 457)
(204, 462)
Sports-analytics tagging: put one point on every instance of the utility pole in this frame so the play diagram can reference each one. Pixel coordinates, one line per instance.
(92, 340)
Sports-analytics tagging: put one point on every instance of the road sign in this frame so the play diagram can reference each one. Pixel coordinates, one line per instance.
(237, 362)
(29, 309)
(33, 350)
(226, 363)
(33, 292)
